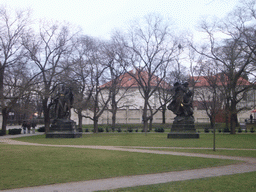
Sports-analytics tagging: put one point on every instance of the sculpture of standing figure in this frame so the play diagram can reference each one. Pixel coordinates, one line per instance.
(181, 103)
(63, 103)
(183, 126)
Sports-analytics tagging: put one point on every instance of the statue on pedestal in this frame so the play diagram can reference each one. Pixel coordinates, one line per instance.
(181, 105)
(63, 102)
(62, 126)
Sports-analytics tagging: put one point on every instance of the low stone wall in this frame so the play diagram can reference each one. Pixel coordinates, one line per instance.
(134, 116)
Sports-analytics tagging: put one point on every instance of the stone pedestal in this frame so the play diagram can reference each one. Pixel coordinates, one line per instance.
(63, 128)
(183, 128)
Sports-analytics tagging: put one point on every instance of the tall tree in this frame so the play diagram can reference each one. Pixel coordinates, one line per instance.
(46, 49)
(233, 56)
(80, 75)
(152, 47)
(118, 83)
(96, 66)
(13, 25)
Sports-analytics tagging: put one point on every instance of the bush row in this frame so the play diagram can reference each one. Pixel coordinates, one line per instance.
(226, 130)
(130, 129)
(41, 129)
(14, 131)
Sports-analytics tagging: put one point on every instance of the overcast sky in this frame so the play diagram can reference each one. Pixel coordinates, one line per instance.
(99, 17)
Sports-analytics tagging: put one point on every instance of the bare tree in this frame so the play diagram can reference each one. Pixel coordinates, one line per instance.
(118, 82)
(46, 49)
(152, 47)
(209, 93)
(79, 75)
(95, 66)
(12, 27)
(232, 56)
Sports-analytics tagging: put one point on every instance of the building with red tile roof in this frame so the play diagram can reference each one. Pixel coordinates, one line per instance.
(201, 85)
(130, 106)
(136, 77)
(221, 80)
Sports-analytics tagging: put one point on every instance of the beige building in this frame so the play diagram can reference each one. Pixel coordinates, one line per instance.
(131, 104)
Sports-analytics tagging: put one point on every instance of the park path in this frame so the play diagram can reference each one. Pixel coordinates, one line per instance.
(247, 165)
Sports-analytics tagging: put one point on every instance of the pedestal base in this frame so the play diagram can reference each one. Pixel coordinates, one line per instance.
(63, 135)
(183, 128)
(63, 128)
(177, 135)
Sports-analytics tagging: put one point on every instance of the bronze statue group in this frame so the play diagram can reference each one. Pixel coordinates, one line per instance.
(63, 102)
(181, 104)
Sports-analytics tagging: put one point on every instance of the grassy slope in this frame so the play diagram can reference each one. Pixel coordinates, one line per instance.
(23, 166)
(234, 183)
(29, 165)
(246, 141)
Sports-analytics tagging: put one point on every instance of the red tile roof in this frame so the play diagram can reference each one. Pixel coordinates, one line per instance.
(129, 80)
(203, 81)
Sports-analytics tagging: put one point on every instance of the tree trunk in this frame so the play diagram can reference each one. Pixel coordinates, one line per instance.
(95, 125)
(2, 98)
(227, 116)
(114, 111)
(212, 121)
(145, 121)
(4, 123)
(80, 119)
(233, 123)
(47, 121)
(150, 123)
(145, 126)
(163, 115)
(145, 115)
(233, 120)
(113, 121)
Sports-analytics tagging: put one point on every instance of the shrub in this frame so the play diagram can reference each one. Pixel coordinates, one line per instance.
(130, 129)
(160, 129)
(119, 130)
(107, 130)
(226, 130)
(219, 130)
(100, 130)
(14, 131)
(239, 130)
(41, 129)
(86, 130)
(252, 130)
(206, 130)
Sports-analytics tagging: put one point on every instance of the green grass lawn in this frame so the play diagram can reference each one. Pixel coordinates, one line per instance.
(246, 141)
(241, 153)
(235, 183)
(24, 166)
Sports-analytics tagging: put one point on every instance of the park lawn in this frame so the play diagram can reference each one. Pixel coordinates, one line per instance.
(25, 166)
(237, 182)
(245, 141)
(240, 153)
